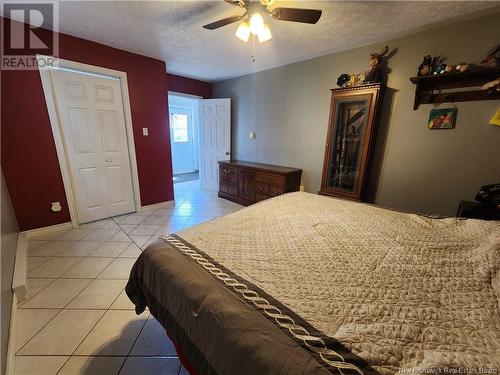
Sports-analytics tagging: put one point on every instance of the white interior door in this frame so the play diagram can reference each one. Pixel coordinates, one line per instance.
(90, 110)
(215, 139)
(182, 140)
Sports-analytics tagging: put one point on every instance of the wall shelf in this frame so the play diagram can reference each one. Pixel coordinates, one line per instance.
(428, 88)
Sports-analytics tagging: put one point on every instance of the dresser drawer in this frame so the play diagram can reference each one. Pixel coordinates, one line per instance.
(274, 191)
(261, 188)
(229, 178)
(270, 179)
(247, 182)
(228, 189)
(228, 174)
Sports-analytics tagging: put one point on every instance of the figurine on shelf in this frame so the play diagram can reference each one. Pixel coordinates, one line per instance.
(440, 69)
(343, 80)
(495, 85)
(493, 58)
(434, 64)
(359, 78)
(375, 72)
(450, 68)
(462, 67)
(425, 68)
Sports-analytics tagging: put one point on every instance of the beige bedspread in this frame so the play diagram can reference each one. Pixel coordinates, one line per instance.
(402, 291)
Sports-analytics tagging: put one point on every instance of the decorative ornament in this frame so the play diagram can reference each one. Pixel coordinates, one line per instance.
(343, 80)
(425, 68)
(374, 74)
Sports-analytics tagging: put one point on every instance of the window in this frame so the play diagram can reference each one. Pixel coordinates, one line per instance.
(179, 124)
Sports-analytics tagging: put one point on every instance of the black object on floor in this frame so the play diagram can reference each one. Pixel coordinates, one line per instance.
(475, 210)
(185, 177)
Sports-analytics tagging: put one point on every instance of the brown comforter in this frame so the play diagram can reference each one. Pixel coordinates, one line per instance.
(304, 284)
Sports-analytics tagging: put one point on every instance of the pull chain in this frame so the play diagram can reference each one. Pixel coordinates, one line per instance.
(253, 48)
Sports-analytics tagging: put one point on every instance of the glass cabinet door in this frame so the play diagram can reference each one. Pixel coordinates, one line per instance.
(347, 143)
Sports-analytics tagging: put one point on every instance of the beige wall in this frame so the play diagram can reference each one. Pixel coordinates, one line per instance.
(9, 232)
(420, 169)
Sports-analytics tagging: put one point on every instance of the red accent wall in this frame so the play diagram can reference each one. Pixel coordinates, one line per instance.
(29, 159)
(189, 86)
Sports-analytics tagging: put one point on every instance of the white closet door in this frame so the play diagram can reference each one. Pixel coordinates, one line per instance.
(91, 115)
(215, 139)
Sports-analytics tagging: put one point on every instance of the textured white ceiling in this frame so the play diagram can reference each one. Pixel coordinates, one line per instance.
(172, 30)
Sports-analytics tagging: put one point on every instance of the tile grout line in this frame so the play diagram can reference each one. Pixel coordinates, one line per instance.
(50, 320)
(71, 355)
(132, 346)
(102, 316)
(37, 332)
(46, 260)
(71, 300)
(89, 256)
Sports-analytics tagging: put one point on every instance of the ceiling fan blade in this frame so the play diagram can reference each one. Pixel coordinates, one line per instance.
(296, 15)
(237, 3)
(222, 22)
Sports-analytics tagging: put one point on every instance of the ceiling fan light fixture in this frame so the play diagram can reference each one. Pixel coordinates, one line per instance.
(265, 34)
(243, 31)
(256, 23)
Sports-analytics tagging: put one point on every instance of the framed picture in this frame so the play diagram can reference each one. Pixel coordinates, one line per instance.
(442, 118)
(351, 130)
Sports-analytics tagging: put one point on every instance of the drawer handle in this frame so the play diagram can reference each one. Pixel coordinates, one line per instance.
(276, 192)
(227, 189)
(261, 188)
(227, 170)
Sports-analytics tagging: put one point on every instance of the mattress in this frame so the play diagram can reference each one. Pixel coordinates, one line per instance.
(306, 284)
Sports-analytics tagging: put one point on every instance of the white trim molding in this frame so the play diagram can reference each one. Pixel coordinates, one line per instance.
(11, 345)
(47, 232)
(20, 268)
(48, 91)
(175, 93)
(19, 295)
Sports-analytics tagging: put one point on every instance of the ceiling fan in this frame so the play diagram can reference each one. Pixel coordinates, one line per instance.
(253, 22)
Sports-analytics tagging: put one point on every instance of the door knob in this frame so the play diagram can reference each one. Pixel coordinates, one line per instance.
(227, 153)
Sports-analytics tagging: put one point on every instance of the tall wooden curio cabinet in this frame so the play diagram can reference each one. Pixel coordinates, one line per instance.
(352, 126)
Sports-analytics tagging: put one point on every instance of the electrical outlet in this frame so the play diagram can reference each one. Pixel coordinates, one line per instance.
(55, 207)
(252, 135)
(145, 131)
(301, 188)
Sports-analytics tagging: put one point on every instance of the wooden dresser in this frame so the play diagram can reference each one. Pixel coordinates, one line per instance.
(246, 182)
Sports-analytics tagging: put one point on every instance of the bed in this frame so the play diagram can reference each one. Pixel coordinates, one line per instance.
(307, 284)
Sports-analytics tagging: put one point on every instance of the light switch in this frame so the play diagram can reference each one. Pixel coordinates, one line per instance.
(252, 135)
(145, 131)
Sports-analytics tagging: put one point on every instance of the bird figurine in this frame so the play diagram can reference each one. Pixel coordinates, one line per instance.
(493, 57)
(374, 74)
(424, 69)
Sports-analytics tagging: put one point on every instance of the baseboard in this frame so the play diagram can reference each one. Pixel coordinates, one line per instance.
(11, 345)
(20, 268)
(155, 206)
(45, 231)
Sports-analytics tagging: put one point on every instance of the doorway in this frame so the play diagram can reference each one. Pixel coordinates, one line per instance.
(184, 136)
(200, 136)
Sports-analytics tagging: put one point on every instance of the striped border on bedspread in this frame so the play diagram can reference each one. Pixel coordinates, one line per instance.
(330, 353)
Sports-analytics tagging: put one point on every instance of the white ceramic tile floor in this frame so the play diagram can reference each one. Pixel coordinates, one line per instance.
(77, 318)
